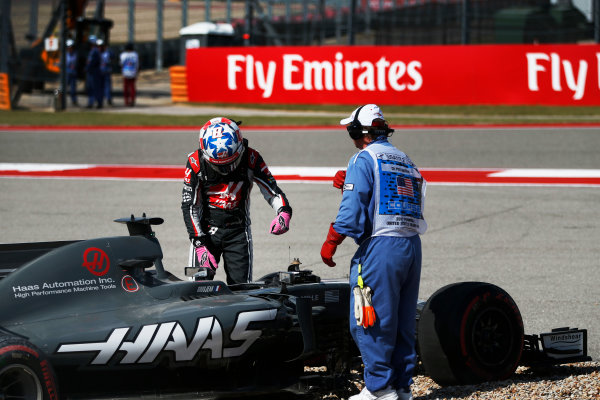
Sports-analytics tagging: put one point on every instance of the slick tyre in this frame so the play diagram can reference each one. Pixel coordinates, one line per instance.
(470, 332)
(24, 371)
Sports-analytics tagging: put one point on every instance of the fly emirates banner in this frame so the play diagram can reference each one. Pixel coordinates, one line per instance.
(411, 75)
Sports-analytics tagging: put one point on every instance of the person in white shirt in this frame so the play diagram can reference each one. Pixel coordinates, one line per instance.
(130, 65)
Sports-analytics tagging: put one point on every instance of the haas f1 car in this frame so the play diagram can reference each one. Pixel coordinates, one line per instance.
(104, 316)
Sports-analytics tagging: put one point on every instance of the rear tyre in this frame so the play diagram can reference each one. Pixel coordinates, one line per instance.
(24, 371)
(470, 332)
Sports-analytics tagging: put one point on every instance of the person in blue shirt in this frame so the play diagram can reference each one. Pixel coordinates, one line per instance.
(383, 196)
(71, 61)
(106, 60)
(93, 77)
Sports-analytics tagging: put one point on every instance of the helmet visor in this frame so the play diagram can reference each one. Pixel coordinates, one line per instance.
(225, 169)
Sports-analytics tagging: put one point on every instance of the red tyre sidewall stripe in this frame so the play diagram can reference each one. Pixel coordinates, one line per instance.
(49, 380)
(463, 325)
(19, 348)
(48, 376)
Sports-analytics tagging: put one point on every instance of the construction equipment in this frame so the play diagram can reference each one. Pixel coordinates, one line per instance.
(32, 67)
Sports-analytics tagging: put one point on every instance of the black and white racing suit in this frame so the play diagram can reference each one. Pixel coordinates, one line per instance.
(216, 209)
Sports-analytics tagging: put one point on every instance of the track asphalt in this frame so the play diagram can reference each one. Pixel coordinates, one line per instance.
(537, 242)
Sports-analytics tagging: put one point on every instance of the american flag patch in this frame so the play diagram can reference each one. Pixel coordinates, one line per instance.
(332, 296)
(405, 186)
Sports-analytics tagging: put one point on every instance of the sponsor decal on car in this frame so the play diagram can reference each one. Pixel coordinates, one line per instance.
(96, 261)
(565, 344)
(129, 284)
(208, 289)
(155, 339)
(63, 287)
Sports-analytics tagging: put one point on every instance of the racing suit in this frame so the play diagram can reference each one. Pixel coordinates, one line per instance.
(216, 209)
(382, 210)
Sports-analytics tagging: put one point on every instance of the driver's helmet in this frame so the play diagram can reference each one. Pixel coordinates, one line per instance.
(221, 144)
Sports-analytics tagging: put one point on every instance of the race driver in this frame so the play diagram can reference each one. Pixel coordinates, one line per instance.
(216, 200)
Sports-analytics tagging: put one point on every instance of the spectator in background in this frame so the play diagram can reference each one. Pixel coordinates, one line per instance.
(71, 61)
(93, 79)
(130, 65)
(106, 60)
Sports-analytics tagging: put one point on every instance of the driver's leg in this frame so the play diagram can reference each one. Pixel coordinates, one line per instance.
(237, 255)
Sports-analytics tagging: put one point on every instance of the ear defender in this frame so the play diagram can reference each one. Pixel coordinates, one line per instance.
(383, 131)
(355, 129)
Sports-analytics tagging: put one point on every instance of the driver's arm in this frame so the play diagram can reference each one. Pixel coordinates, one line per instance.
(191, 203)
(267, 184)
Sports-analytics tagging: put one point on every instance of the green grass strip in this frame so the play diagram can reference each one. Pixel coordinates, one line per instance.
(315, 115)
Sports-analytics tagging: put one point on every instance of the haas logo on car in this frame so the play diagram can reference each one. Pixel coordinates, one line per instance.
(96, 261)
(154, 339)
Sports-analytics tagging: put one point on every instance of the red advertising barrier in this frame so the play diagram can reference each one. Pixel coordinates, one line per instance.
(397, 75)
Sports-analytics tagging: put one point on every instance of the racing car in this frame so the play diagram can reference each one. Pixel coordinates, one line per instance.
(103, 316)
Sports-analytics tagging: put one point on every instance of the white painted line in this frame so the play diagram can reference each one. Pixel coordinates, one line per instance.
(32, 167)
(546, 173)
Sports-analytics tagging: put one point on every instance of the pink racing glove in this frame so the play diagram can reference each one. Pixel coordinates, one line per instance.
(281, 223)
(205, 259)
(338, 179)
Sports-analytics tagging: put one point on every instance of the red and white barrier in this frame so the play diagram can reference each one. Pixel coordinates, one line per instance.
(434, 176)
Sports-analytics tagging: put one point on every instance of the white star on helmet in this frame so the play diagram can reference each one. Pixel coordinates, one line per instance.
(221, 143)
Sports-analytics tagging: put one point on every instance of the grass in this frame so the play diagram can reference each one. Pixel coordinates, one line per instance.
(321, 115)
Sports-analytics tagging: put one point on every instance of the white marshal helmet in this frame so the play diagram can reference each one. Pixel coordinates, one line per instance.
(221, 144)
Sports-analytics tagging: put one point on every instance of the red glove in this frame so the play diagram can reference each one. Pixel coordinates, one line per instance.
(338, 179)
(330, 246)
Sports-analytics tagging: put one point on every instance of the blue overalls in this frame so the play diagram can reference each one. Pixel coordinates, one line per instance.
(71, 60)
(94, 82)
(382, 210)
(105, 72)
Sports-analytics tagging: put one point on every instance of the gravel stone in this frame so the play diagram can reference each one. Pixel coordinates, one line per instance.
(577, 381)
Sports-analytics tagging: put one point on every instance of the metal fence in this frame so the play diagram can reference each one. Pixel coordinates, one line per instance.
(154, 24)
